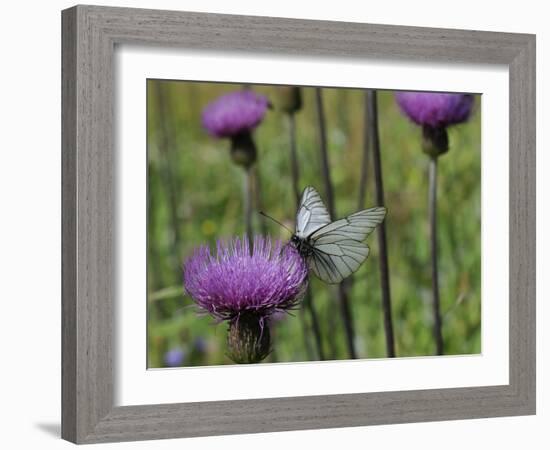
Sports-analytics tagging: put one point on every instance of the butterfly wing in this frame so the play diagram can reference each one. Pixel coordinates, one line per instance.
(357, 226)
(337, 247)
(338, 261)
(312, 213)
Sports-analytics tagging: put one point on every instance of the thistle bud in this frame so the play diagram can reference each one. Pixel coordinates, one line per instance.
(248, 339)
(435, 140)
(289, 99)
(243, 149)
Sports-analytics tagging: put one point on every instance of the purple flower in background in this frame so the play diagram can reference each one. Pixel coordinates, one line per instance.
(174, 357)
(245, 288)
(434, 112)
(437, 110)
(234, 113)
(234, 116)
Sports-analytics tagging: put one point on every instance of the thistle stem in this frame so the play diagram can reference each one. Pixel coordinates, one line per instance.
(295, 177)
(348, 322)
(365, 164)
(332, 344)
(295, 173)
(153, 258)
(258, 196)
(273, 355)
(367, 142)
(247, 197)
(438, 336)
(323, 147)
(372, 104)
(294, 167)
(314, 323)
(325, 167)
(165, 145)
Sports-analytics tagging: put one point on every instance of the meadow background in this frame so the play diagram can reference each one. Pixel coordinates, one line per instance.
(195, 197)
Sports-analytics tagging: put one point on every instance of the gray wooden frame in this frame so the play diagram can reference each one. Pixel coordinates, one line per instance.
(90, 34)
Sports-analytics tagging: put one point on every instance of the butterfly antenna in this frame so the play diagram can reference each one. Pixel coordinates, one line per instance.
(276, 221)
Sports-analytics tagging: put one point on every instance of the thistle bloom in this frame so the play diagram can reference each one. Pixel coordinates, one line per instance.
(246, 288)
(434, 112)
(234, 116)
(435, 109)
(234, 113)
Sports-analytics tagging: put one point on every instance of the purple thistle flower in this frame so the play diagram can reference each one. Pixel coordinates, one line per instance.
(236, 281)
(234, 113)
(246, 288)
(436, 110)
(174, 357)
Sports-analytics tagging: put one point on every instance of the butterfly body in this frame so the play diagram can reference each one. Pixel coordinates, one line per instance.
(302, 245)
(333, 250)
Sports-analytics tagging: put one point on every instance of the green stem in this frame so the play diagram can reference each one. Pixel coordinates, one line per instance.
(345, 309)
(170, 183)
(294, 166)
(247, 202)
(308, 302)
(438, 335)
(258, 196)
(295, 173)
(305, 333)
(372, 103)
(323, 148)
(367, 142)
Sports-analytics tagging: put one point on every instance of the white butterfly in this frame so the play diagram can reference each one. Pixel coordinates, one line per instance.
(333, 250)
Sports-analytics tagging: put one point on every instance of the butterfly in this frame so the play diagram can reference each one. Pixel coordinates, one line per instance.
(333, 250)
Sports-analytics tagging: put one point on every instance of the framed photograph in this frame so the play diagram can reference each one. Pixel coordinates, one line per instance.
(276, 224)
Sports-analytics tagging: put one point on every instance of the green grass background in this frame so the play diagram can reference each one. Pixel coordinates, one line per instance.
(195, 197)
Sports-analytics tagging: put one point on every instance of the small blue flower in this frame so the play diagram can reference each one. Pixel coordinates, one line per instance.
(174, 357)
(200, 345)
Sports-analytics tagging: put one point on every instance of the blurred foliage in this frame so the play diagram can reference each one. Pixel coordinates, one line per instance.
(195, 197)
